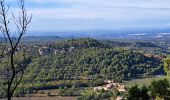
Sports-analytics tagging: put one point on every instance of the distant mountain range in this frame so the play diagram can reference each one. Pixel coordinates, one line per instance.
(103, 34)
(41, 38)
(98, 35)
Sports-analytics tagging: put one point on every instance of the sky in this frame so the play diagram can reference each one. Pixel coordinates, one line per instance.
(67, 15)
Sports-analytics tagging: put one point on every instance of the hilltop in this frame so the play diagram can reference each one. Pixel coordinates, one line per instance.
(84, 63)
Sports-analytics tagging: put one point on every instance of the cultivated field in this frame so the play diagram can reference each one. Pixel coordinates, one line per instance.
(145, 81)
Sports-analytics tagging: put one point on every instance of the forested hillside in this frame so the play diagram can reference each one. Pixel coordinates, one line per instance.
(83, 63)
(93, 62)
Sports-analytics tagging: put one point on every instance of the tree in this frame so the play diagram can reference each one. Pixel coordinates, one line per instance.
(144, 93)
(136, 93)
(161, 89)
(167, 66)
(12, 68)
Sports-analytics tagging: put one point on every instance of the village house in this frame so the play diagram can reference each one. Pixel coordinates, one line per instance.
(112, 85)
(97, 89)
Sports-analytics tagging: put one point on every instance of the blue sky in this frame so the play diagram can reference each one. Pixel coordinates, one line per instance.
(65, 15)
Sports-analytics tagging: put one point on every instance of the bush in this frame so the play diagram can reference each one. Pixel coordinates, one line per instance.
(67, 92)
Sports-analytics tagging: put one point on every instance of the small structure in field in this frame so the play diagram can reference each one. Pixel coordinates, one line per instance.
(112, 85)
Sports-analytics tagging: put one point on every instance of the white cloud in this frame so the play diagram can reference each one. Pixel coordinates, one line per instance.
(129, 13)
(111, 9)
(141, 3)
(100, 13)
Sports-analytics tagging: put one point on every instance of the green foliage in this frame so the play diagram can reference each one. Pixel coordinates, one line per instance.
(2, 93)
(68, 92)
(160, 88)
(144, 81)
(85, 63)
(136, 93)
(82, 63)
(144, 93)
(97, 82)
(81, 43)
(115, 93)
(91, 95)
(167, 66)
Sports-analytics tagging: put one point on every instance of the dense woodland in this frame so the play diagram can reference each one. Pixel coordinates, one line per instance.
(80, 63)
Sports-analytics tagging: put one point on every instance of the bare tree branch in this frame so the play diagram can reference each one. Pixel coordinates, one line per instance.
(14, 68)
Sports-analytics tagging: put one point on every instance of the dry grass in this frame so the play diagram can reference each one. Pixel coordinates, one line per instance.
(145, 81)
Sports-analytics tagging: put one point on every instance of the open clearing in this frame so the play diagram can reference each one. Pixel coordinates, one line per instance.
(145, 81)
